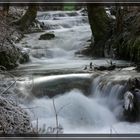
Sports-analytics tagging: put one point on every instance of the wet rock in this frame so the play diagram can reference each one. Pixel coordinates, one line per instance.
(137, 102)
(102, 68)
(132, 100)
(133, 84)
(128, 101)
(60, 86)
(24, 57)
(130, 109)
(47, 36)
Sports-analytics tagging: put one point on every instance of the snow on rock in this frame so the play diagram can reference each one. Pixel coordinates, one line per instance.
(128, 101)
(10, 54)
(13, 119)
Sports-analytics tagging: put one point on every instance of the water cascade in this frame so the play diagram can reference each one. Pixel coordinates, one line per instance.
(85, 101)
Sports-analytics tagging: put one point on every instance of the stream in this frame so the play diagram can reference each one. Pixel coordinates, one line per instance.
(86, 101)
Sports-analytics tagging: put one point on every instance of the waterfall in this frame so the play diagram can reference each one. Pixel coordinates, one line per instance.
(99, 112)
(59, 19)
(86, 101)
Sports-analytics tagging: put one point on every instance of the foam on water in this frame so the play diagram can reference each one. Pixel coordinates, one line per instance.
(79, 112)
(59, 53)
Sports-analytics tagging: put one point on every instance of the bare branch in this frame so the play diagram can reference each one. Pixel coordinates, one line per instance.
(56, 115)
(8, 88)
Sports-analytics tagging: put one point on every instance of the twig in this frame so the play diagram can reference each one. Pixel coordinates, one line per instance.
(8, 88)
(56, 117)
(11, 84)
(2, 68)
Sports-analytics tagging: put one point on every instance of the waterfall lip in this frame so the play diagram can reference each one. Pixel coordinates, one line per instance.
(57, 77)
(50, 78)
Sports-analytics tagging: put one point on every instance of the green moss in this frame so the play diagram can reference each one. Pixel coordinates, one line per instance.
(69, 7)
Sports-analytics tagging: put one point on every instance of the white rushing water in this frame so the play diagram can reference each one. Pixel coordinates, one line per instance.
(59, 53)
(80, 114)
(77, 113)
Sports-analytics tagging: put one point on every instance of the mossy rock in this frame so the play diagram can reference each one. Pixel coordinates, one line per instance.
(47, 36)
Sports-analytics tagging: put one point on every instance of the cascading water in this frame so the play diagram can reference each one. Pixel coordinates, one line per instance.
(86, 102)
(78, 113)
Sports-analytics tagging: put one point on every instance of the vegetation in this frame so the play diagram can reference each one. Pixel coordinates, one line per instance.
(68, 7)
(117, 38)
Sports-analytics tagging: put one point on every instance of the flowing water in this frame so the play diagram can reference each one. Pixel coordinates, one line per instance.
(85, 101)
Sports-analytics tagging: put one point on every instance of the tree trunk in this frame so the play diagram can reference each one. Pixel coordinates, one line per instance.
(28, 17)
(5, 9)
(119, 19)
(99, 22)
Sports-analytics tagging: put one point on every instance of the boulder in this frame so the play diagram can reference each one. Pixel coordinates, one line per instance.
(129, 107)
(47, 36)
(132, 101)
(128, 101)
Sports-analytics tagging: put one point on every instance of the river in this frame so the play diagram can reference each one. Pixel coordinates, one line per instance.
(85, 101)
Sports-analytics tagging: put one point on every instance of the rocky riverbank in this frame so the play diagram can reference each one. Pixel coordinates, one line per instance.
(13, 119)
(10, 54)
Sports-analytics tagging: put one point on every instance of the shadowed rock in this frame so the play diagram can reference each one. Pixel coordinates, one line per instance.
(47, 36)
